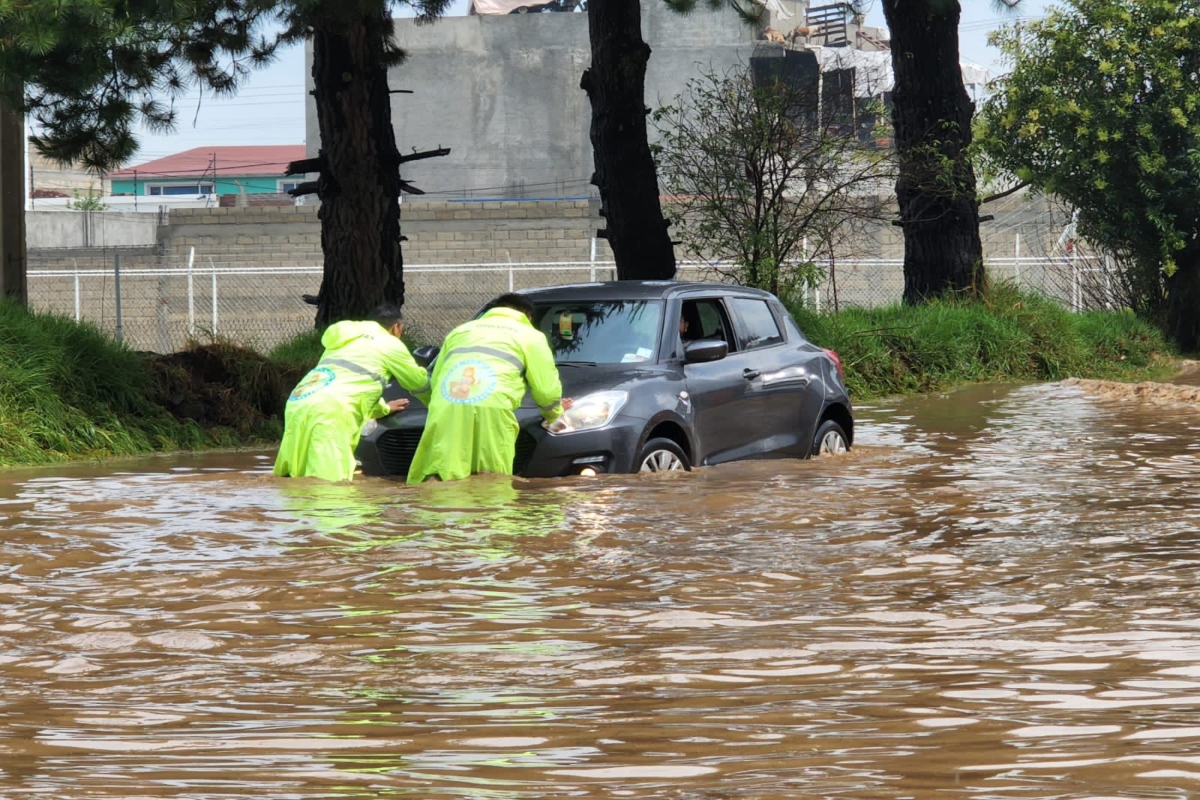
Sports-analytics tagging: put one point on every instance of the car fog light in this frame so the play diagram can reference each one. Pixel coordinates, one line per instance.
(587, 472)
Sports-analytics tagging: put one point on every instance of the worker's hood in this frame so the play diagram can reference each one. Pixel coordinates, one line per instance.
(340, 334)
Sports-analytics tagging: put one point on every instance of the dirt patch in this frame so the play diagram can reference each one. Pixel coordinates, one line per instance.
(1170, 394)
(221, 385)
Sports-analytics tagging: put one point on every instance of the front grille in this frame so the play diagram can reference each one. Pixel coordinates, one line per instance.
(526, 444)
(397, 446)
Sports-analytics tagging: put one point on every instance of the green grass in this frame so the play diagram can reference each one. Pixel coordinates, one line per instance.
(1010, 336)
(69, 392)
(302, 351)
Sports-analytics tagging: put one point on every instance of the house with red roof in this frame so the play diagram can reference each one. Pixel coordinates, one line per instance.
(239, 169)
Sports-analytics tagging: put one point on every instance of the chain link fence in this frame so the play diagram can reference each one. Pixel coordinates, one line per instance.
(140, 297)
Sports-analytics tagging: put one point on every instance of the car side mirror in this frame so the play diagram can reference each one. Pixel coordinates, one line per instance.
(425, 354)
(703, 350)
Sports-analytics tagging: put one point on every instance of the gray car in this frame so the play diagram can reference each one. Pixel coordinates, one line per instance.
(738, 381)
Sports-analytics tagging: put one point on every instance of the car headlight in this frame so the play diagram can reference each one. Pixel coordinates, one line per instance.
(589, 412)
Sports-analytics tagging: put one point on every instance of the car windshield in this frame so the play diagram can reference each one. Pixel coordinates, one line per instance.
(609, 332)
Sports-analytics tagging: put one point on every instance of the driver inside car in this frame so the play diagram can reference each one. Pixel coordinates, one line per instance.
(690, 327)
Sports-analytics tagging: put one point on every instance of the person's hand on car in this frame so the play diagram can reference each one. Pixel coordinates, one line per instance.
(567, 403)
(397, 405)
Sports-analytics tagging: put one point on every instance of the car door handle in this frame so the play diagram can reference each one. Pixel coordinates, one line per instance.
(750, 374)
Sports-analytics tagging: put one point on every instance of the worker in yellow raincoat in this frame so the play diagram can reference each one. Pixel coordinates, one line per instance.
(326, 411)
(478, 382)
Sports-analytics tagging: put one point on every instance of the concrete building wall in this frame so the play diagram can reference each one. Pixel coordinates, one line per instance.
(46, 175)
(502, 92)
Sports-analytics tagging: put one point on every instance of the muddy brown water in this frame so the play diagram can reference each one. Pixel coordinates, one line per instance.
(995, 595)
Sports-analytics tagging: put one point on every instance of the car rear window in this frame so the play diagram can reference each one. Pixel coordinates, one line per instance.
(604, 332)
(758, 326)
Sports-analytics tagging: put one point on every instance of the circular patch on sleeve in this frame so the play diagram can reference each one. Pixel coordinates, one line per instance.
(316, 380)
(468, 382)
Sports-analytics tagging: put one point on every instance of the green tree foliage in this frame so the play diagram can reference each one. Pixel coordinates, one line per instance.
(1102, 109)
(763, 176)
(90, 70)
(91, 200)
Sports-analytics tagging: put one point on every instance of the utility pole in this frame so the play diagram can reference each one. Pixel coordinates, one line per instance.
(12, 205)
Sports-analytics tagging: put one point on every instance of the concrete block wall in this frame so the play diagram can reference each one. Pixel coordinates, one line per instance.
(66, 228)
(458, 256)
(438, 233)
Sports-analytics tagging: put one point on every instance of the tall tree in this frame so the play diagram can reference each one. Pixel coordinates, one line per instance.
(359, 179)
(1102, 109)
(94, 68)
(931, 114)
(625, 172)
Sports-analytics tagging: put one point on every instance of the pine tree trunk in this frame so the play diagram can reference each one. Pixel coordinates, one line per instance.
(13, 277)
(931, 113)
(616, 86)
(360, 182)
(1183, 304)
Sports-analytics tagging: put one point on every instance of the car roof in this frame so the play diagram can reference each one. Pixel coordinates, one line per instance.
(634, 290)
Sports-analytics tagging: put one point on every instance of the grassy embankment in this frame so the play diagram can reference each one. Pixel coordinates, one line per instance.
(1010, 336)
(68, 392)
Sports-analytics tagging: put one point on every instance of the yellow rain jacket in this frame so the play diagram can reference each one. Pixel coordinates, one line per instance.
(326, 411)
(478, 383)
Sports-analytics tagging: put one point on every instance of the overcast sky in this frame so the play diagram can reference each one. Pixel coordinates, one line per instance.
(270, 107)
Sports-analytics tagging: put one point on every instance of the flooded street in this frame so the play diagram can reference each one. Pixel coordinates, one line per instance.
(995, 595)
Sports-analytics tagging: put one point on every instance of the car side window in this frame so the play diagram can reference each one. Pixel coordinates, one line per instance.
(794, 332)
(706, 318)
(758, 326)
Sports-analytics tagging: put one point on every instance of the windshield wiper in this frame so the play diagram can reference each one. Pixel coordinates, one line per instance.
(576, 363)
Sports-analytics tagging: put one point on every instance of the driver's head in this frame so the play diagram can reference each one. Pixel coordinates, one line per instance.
(517, 302)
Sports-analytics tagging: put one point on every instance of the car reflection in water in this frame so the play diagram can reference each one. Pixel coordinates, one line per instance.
(665, 375)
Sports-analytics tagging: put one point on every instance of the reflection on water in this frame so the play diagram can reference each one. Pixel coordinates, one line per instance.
(994, 596)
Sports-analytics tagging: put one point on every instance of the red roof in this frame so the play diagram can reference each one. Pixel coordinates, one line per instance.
(255, 159)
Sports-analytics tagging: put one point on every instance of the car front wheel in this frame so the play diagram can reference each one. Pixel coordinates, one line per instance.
(663, 455)
(830, 440)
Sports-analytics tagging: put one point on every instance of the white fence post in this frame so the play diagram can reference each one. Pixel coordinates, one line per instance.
(117, 286)
(1108, 295)
(190, 294)
(214, 295)
(76, 263)
(1018, 261)
(1076, 287)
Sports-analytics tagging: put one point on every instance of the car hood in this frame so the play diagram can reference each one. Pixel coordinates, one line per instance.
(580, 380)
